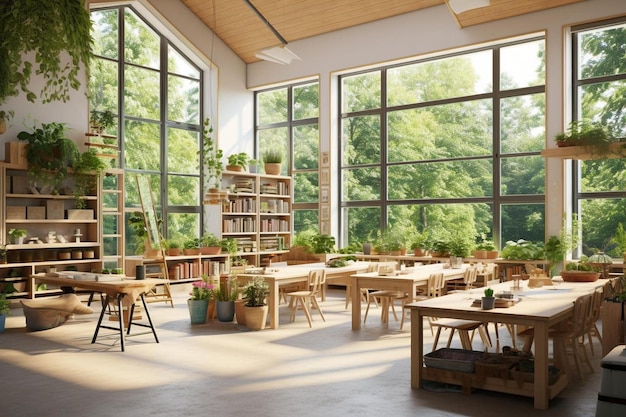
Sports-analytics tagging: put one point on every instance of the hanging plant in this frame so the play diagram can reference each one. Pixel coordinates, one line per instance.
(58, 32)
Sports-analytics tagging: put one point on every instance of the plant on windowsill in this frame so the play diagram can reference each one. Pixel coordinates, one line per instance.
(594, 136)
(418, 243)
(237, 162)
(581, 271)
(272, 160)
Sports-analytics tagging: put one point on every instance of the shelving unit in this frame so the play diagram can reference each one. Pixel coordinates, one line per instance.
(183, 268)
(113, 230)
(257, 213)
(56, 239)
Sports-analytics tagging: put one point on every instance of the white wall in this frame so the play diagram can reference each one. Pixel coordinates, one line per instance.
(425, 32)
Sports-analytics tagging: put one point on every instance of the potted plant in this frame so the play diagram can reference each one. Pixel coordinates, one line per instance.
(255, 292)
(253, 165)
(49, 153)
(5, 309)
(88, 167)
(198, 304)
(191, 246)
(272, 160)
(581, 271)
(586, 133)
(237, 162)
(101, 121)
(229, 245)
(488, 301)
(210, 244)
(173, 248)
(17, 236)
(226, 295)
(441, 248)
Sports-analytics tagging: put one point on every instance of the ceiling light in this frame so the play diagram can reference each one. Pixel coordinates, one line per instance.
(277, 54)
(460, 6)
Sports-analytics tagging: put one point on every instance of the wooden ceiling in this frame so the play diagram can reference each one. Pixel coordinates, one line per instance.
(245, 33)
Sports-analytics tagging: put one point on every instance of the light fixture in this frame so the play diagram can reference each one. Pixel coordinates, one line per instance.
(278, 54)
(460, 6)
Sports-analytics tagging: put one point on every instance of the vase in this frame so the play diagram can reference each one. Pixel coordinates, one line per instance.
(225, 311)
(272, 168)
(367, 248)
(240, 313)
(198, 310)
(256, 317)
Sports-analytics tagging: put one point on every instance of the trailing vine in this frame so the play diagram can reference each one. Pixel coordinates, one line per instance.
(58, 33)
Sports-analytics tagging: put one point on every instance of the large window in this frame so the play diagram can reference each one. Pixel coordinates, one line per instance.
(287, 119)
(155, 93)
(450, 144)
(599, 95)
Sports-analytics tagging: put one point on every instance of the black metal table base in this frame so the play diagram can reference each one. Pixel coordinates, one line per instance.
(121, 320)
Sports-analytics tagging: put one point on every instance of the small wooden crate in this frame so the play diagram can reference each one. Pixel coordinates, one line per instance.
(80, 214)
(20, 184)
(55, 209)
(16, 212)
(15, 154)
(460, 360)
(35, 212)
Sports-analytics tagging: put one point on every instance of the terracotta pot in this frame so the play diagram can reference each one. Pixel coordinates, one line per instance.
(579, 276)
(493, 254)
(190, 252)
(210, 250)
(240, 313)
(173, 251)
(236, 168)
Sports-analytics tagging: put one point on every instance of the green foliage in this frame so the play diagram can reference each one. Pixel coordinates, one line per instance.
(102, 120)
(620, 237)
(202, 290)
(488, 292)
(5, 306)
(272, 156)
(582, 265)
(88, 167)
(255, 292)
(48, 150)
(15, 233)
(305, 238)
(323, 244)
(522, 250)
(229, 245)
(228, 290)
(49, 31)
(193, 243)
(238, 159)
(554, 252)
(485, 244)
(460, 246)
(418, 240)
(212, 157)
(585, 133)
(210, 240)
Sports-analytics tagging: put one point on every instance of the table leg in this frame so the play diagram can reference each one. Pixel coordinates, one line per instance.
(541, 366)
(356, 303)
(417, 348)
(273, 300)
(120, 308)
(105, 304)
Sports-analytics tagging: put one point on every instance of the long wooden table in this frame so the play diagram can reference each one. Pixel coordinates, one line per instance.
(286, 275)
(540, 308)
(125, 292)
(406, 282)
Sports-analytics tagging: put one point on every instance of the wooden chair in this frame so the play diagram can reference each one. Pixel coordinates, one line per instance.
(371, 267)
(465, 283)
(592, 320)
(307, 299)
(384, 298)
(570, 337)
(434, 288)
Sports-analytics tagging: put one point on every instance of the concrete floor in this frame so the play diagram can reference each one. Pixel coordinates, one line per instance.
(222, 369)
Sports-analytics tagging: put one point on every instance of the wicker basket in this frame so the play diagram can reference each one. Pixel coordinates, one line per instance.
(459, 360)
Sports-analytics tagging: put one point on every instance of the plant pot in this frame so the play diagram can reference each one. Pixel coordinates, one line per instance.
(198, 310)
(579, 276)
(487, 303)
(367, 248)
(256, 317)
(190, 252)
(210, 250)
(492, 254)
(3, 318)
(272, 169)
(225, 311)
(479, 254)
(240, 313)
(173, 252)
(235, 168)
(419, 252)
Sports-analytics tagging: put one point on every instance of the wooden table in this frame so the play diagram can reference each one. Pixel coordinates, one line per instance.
(540, 308)
(406, 282)
(286, 275)
(124, 292)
